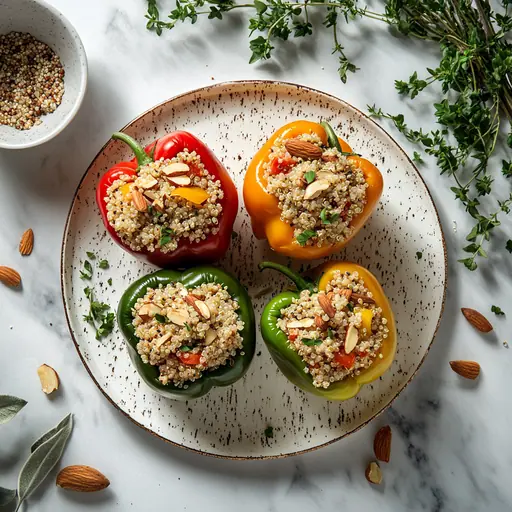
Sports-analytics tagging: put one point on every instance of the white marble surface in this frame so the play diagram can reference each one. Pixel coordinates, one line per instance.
(451, 448)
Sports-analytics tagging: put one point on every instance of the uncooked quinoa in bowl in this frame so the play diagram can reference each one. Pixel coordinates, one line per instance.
(168, 200)
(319, 194)
(187, 332)
(337, 332)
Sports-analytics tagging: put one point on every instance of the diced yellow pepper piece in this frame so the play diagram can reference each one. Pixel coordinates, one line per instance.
(195, 195)
(367, 317)
(126, 190)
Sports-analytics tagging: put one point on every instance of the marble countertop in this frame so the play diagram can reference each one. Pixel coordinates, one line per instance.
(451, 445)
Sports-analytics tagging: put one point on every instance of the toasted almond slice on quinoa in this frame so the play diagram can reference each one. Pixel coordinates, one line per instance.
(325, 175)
(179, 181)
(300, 324)
(316, 188)
(364, 298)
(176, 169)
(149, 194)
(210, 335)
(178, 318)
(147, 183)
(160, 341)
(351, 338)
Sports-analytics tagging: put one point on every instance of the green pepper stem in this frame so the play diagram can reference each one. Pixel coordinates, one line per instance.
(142, 157)
(332, 138)
(300, 282)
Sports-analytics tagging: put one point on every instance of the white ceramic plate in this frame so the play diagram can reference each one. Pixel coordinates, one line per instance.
(234, 119)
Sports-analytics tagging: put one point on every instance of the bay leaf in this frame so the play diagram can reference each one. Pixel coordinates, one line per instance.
(42, 460)
(6, 496)
(9, 407)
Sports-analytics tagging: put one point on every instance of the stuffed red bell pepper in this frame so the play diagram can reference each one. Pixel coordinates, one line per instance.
(173, 204)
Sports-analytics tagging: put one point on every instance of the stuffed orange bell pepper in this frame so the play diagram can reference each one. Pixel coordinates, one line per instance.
(307, 193)
(330, 336)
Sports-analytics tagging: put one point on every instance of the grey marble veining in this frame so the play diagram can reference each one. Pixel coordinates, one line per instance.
(451, 446)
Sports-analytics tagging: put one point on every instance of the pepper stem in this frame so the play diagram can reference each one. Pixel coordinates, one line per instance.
(300, 282)
(142, 157)
(332, 138)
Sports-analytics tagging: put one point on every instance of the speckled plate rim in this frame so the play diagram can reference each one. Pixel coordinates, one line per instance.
(207, 90)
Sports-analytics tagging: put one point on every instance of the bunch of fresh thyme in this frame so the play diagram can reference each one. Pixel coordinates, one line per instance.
(475, 73)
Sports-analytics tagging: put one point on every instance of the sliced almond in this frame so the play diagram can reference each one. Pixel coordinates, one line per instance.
(160, 341)
(180, 318)
(210, 336)
(303, 149)
(82, 479)
(176, 169)
(326, 305)
(153, 309)
(147, 183)
(373, 473)
(316, 188)
(180, 181)
(9, 276)
(325, 175)
(49, 378)
(320, 323)
(158, 205)
(149, 194)
(364, 298)
(200, 306)
(139, 201)
(351, 338)
(26, 243)
(143, 312)
(305, 323)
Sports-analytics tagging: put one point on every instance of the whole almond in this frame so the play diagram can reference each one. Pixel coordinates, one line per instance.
(373, 473)
(139, 201)
(347, 292)
(320, 323)
(200, 306)
(477, 320)
(82, 479)
(326, 305)
(303, 149)
(382, 444)
(466, 369)
(364, 298)
(9, 276)
(27, 243)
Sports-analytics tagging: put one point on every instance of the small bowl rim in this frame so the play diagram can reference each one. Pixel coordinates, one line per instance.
(82, 55)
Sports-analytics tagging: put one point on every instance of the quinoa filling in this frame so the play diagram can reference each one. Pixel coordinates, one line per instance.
(187, 332)
(319, 195)
(168, 200)
(337, 332)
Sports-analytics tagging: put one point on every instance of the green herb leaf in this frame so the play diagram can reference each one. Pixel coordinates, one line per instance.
(7, 496)
(42, 460)
(269, 432)
(109, 281)
(328, 218)
(497, 310)
(187, 326)
(419, 255)
(310, 176)
(86, 273)
(185, 348)
(508, 246)
(350, 306)
(49, 434)
(417, 158)
(311, 342)
(9, 407)
(161, 318)
(166, 235)
(91, 255)
(103, 264)
(330, 333)
(303, 238)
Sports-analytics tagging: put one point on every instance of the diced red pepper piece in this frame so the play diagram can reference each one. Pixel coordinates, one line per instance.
(345, 360)
(188, 358)
(279, 165)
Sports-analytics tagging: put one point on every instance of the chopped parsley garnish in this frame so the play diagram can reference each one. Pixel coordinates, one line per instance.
(328, 218)
(98, 317)
(187, 326)
(161, 318)
(310, 343)
(103, 264)
(497, 310)
(185, 348)
(109, 281)
(310, 176)
(350, 306)
(419, 255)
(330, 334)
(303, 238)
(269, 432)
(152, 211)
(166, 235)
(86, 273)
(91, 255)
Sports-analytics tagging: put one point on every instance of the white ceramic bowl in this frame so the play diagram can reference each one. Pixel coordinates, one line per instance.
(48, 25)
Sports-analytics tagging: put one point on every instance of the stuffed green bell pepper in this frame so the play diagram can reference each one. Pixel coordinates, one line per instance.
(330, 336)
(188, 331)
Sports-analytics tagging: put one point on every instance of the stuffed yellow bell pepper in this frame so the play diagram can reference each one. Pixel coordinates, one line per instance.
(330, 336)
(307, 193)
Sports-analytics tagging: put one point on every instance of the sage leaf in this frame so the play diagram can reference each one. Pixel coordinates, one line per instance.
(6, 496)
(42, 460)
(9, 407)
(49, 434)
